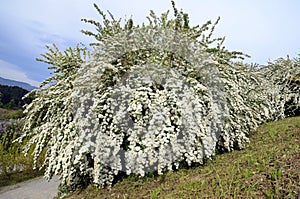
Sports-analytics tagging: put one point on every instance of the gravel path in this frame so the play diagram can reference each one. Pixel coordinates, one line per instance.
(37, 188)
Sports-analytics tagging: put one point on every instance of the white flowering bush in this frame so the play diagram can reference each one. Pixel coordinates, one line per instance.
(151, 98)
(285, 75)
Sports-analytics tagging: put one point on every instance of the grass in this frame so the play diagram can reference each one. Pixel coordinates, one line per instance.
(17, 177)
(6, 114)
(269, 167)
(24, 170)
(14, 166)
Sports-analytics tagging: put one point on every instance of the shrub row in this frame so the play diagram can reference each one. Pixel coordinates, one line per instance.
(152, 97)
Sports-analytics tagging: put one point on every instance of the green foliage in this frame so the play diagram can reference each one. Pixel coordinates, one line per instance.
(14, 166)
(10, 152)
(11, 97)
(7, 114)
(9, 132)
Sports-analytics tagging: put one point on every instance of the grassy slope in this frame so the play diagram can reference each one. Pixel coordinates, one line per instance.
(269, 167)
(6, 114)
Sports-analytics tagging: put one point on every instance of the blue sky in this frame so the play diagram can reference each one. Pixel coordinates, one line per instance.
(264, 29)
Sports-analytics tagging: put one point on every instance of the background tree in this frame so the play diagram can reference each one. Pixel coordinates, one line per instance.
(11, 97)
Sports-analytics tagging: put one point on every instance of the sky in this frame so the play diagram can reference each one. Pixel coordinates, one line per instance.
(264, 29)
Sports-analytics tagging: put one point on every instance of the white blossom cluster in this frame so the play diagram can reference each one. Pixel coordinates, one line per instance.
(150, 120)
(285, 75)
(151, 99)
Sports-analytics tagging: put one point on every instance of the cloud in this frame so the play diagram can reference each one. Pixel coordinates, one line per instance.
(13, 72)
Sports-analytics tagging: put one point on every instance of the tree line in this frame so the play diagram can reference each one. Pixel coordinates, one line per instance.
(11, 97)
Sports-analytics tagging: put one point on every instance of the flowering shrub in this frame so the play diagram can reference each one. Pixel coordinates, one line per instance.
(285, 75)
(152, 97)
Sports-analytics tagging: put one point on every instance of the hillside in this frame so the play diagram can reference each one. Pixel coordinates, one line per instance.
(11, 97)
(267, 168)
(23, 85)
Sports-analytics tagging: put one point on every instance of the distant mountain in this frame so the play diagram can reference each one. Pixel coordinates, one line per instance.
(9, 82)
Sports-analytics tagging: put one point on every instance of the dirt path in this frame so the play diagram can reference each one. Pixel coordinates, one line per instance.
(37, 188)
